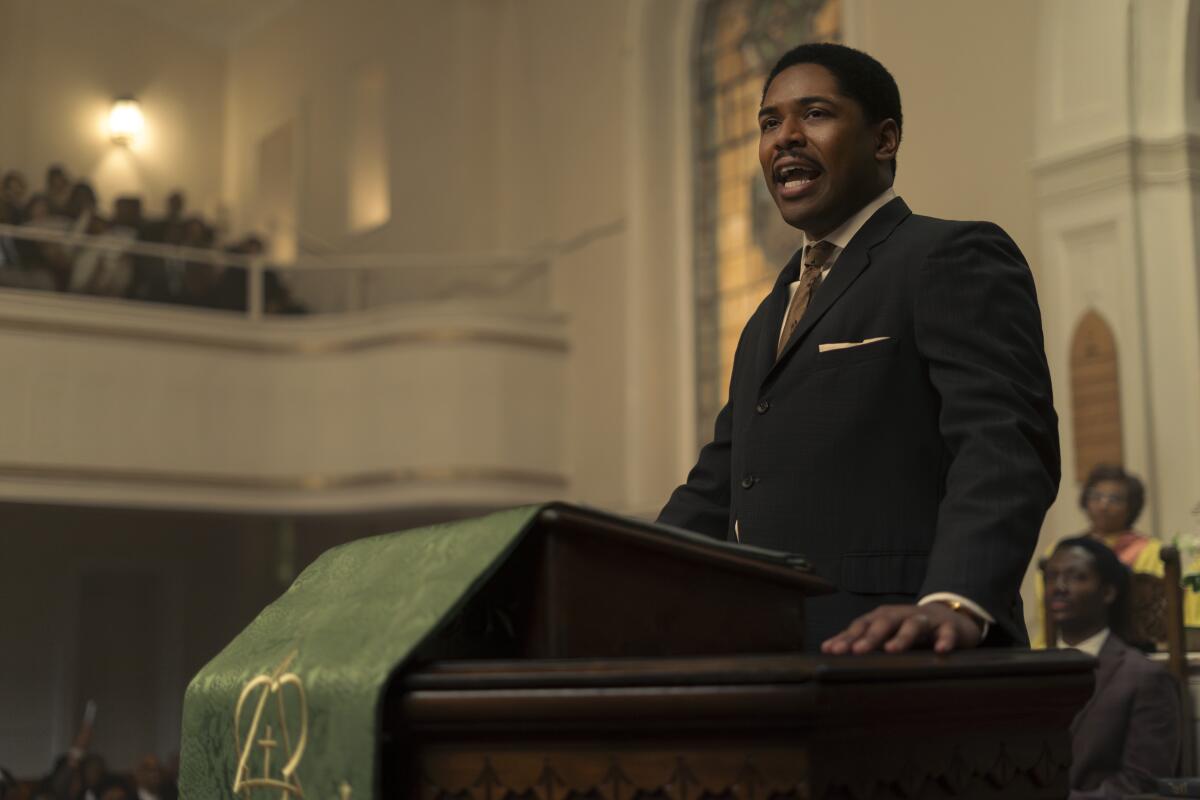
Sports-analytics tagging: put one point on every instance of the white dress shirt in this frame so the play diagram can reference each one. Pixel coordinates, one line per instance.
(1090, 645)
(841, 237)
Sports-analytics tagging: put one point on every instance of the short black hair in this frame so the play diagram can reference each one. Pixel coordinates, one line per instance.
(1135, 490)
(1112, 573)
(859, 77)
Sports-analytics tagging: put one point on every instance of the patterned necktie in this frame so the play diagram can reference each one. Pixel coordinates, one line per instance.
(815, 259)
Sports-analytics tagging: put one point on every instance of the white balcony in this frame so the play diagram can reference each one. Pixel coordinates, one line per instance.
(446, 388)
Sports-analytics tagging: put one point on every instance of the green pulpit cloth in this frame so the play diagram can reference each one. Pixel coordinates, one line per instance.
(293, 702)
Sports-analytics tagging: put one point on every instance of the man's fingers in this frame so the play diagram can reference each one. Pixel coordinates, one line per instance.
(895, 629)
(840, 644)
(947, 638)
(879, 631)
(915, 628)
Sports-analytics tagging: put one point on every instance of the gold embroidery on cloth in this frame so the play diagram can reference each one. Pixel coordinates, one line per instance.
(263, 737)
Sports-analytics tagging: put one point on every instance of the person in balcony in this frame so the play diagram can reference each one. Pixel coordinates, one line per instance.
(58, 190)
(47, 263)
(102, 270)
(81, 206)
(1113, 500)
(168, 229)
(161, 280)
(10, 256)
(14, 190)
(198, 278)
(1129, 732)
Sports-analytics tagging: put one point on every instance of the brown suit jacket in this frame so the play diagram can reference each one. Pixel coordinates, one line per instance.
(1128, 734)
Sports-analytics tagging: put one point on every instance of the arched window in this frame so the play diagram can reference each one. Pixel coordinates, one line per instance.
(1095, 395)
(741, 242)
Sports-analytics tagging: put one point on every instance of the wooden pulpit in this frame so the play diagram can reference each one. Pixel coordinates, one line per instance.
(605, 659)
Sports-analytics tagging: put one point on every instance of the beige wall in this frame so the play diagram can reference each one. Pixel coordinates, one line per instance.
(966, 70)
(507, 132)
(439, 66)
(61, 64)
(190, 409)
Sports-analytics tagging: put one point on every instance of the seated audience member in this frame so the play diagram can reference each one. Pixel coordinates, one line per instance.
(48, 262)
(13, 191)
(57, 190)
(81, 206)
(199, 277)
(148, 777)
(160, 280)
(65, 781)
(277, 297)
(116, 788)
(1113, 499)
(93, 772)
(1128, 734)
(108, 270)
(169, 229)
(10, 254)
(230, 293)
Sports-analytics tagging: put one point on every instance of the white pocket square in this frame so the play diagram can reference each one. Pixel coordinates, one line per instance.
(825, 348)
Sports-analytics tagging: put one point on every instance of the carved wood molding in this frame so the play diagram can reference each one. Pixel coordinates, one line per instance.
(1025, 769)
(641, 775)
(1028, 769)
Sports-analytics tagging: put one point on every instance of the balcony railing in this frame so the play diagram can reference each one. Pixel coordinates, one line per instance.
(112, 266)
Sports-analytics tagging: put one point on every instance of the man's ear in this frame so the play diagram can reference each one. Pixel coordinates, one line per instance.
(887, 140)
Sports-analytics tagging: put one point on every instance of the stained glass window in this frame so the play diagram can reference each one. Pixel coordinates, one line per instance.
(741, 242)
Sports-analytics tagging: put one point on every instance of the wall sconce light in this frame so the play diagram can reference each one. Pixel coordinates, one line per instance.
(125, 121)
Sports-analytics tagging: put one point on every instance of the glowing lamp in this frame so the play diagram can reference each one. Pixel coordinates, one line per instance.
(125, 121)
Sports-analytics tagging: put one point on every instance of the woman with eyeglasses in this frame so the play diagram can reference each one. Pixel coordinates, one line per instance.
(1113, 499)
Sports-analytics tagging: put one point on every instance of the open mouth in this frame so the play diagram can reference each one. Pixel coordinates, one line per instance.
(793, 179)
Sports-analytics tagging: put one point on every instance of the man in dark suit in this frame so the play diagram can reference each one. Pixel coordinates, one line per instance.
(1129, 732)
(889, 413)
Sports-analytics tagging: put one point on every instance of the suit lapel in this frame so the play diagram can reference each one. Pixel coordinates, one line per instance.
(1109, 663)
(768, 340)
(849, 265)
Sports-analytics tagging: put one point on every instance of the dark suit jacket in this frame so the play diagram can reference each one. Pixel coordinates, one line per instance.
(918, 464)
(1129, 732)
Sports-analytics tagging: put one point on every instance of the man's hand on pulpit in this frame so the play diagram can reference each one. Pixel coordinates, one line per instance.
(894, 629)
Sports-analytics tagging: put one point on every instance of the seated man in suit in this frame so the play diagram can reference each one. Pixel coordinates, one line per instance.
(890, 415)
(1129, 732)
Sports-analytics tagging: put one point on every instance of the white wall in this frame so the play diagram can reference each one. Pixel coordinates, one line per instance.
(61, 64)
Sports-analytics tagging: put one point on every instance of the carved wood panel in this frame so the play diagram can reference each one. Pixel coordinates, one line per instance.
(1026, 769)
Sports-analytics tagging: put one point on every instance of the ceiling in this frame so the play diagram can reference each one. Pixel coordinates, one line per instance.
(215, 22)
